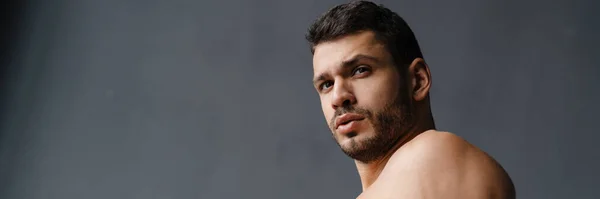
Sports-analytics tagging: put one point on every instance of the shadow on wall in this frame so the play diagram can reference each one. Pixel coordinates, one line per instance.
(12, 14)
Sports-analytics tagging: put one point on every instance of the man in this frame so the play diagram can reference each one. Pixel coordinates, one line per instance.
(374, 88)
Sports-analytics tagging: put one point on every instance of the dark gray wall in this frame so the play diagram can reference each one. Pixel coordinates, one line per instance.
(198, 99)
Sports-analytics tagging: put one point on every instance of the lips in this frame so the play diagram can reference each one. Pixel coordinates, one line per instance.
(347, 118)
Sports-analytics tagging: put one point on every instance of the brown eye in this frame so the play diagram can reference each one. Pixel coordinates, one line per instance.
(360, 70)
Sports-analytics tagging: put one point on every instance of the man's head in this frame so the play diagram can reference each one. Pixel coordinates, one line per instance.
(368, 69)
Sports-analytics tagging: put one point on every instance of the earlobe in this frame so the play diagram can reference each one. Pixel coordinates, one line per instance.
(421, 79)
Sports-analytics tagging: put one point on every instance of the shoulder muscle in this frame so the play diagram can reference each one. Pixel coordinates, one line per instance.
(440, 164)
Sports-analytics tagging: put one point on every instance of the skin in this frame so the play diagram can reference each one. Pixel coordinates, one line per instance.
(421, 162)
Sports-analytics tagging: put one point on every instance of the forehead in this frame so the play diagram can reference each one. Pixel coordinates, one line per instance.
(331, 54)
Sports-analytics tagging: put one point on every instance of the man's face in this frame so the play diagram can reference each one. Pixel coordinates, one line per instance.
(364, 100)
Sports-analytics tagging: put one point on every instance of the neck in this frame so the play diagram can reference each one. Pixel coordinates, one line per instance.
(369, 172)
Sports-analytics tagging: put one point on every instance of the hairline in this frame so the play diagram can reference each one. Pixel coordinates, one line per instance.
(388, 46)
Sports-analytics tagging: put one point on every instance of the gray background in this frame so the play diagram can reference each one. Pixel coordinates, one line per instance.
(213, 99)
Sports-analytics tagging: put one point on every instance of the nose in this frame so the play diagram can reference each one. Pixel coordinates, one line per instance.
(342, 96)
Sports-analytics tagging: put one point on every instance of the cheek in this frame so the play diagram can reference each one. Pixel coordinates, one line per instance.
(327, 110)
(378, 93)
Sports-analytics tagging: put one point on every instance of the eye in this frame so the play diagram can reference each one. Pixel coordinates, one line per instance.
(325, 85)
(360, 70)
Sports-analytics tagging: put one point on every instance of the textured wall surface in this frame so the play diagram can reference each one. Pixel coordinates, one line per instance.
(213, 99)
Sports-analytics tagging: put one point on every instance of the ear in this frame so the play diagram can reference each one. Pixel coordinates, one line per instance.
(420, 79)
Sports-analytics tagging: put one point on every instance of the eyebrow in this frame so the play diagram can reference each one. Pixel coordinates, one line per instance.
(346, 64)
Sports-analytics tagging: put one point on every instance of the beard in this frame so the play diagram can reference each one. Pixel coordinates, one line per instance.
(390, 125)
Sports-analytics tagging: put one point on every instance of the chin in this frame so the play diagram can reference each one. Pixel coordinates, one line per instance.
(352, 140)
(353, 147)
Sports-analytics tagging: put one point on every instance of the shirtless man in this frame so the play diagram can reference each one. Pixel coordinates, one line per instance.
(374, 88)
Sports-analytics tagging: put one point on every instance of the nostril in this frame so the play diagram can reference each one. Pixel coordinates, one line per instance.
(346, 103)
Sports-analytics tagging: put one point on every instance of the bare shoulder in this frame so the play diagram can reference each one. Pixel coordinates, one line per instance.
(443, 165)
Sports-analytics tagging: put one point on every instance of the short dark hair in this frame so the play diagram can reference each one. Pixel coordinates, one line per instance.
(358, 16)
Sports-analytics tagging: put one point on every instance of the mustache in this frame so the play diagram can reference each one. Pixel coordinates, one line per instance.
(348, 109)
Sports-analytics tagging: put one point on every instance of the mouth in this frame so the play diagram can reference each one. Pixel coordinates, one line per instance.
(347, 118)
